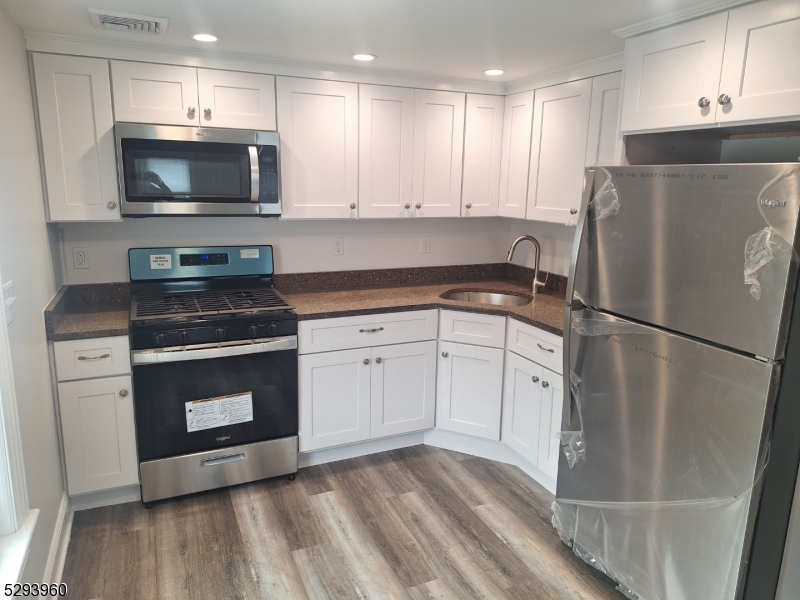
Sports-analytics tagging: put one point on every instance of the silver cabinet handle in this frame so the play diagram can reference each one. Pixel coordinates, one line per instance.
(469, 205)
(703, 102)
(379, 360)
(191, 111)
(419, 205)
(221, 460)
(545, 349)
(535, 379)
(545, 384)
(724, 99)
(366, 361)
(207, 112)
(445, 354)
(408, 205)
(373, 330)
(94, 357)
(352, 206)
(112, 205)
(573, 211)
(123, 393)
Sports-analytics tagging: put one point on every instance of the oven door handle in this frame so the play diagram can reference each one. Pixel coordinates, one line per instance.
(146, 357)
(221, 460)
(254, 185)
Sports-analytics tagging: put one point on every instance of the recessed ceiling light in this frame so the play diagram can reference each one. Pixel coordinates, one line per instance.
(493, 72)
(204, 37)
(364, 57)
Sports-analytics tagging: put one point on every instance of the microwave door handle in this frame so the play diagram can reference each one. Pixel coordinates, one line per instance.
(254, 187)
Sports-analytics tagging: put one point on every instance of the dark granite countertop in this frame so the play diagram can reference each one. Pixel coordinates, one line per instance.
(100, 310)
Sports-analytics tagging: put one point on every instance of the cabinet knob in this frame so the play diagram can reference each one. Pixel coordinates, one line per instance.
(545, 384)
(379, 360)
(469, 205)
(352, 206)
(191, 111)
(419, 205)
(724, 99)
(703, 102)
(408, 205)
(123, 393)
(535, 379)
(207, 113)
(445, 354)
(573, 211)
(112, 205)
(366, 361)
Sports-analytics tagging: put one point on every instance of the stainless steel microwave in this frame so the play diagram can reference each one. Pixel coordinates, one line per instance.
(166, 171)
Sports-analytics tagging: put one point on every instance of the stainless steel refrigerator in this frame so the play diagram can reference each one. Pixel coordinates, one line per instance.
(682, 418)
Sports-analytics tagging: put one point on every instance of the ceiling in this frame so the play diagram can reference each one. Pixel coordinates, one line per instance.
(453, 39)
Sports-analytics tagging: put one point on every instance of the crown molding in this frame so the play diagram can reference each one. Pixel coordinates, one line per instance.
(231, 61)
(590, 68)
(679, 16)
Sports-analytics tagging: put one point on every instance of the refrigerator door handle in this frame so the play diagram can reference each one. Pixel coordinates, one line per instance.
(568, 408)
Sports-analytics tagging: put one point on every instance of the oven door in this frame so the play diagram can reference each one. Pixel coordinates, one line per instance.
(214, 396)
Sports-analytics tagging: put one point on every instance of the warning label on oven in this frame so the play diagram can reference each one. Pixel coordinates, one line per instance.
(219, 411)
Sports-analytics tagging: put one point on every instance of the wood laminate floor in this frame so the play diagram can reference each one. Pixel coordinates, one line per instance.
(416, 523)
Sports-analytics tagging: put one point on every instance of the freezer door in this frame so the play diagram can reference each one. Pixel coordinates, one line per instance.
(666, 245)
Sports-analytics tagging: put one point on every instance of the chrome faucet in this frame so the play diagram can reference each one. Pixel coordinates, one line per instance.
(536, 283)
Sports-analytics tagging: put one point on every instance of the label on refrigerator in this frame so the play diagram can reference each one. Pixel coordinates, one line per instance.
(219, 411)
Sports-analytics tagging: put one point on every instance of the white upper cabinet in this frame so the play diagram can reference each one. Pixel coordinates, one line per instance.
(483, 137)
(236, 100)
(438, 153)
(601, 145)
(760, 71)
(385, 151)
(160, 94)
(318, 123)
(517, 122)
(558, 151)
(73, 97)
(670, 73)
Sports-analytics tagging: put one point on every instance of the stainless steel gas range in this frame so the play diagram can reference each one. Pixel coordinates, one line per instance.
(214, 356)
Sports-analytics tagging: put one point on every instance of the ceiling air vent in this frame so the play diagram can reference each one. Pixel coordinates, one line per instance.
(117, 21)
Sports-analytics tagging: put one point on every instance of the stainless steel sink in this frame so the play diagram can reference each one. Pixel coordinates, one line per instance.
(487, 298)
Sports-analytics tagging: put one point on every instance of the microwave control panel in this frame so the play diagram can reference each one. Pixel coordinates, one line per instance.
(268, 174)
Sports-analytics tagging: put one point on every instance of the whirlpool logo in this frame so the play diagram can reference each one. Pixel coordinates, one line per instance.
(773, 203)
(223, 438)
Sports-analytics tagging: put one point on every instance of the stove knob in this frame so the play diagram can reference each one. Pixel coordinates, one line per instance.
(219, 334)
(161, 339)
(272, 329)
(184, 337)
(253, 331)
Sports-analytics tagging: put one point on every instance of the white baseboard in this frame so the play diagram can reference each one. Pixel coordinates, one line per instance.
(58, 545)
(131, 493)
(319, 457)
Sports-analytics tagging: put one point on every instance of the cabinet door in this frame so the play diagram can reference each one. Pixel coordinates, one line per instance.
(236, 100)
(149, 93)
(385, 151)
(550, 422)
(403, 388)
(334, 398)
(438, 153)
(601, 145)
(522, 406)
(760, 71)
(318, 123)
(558, 150)
(469, 389)
(73, 97)
(668, 71)
(483, 138)
(99, 436)
(516, 159)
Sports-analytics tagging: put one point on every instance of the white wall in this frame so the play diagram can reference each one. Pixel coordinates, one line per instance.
(26, 260)
(300, 246)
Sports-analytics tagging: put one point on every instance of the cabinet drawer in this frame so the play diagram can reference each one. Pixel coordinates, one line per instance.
(341, 333)
(534, 344)
(472, 328)
(95, 357)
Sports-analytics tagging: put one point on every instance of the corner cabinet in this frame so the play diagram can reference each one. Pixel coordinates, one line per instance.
(76, 125)
(515, 165)
(318, 124)
(483, 138)
(603, 145)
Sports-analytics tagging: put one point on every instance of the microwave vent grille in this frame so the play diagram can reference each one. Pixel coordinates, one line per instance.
(117, 21)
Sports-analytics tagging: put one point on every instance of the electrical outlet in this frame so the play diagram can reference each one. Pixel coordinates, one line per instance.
(8, 299)
(425, 244)
(80, 258)
(338, 246)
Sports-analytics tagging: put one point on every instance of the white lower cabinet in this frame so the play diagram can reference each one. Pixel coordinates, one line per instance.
(550, 422)
(98, 430)
(469, 389)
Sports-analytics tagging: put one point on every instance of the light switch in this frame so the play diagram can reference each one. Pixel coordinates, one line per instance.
(9, 300)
